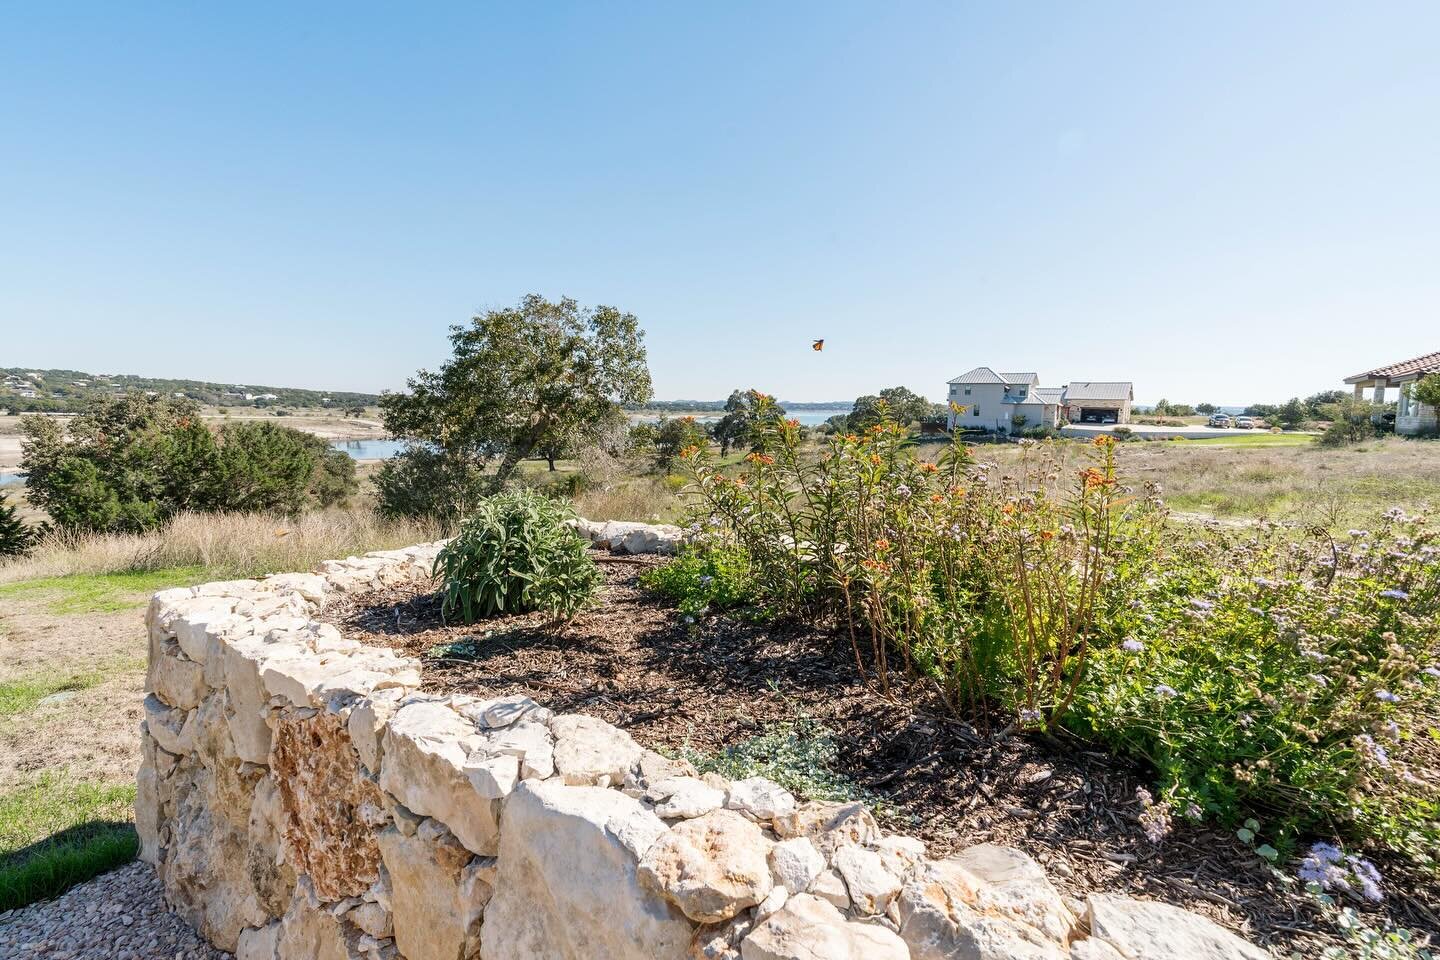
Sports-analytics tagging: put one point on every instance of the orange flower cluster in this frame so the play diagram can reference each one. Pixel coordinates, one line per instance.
(879, 565)
(882, 545)
(928, 468)
(764, 458)
(1095, 477)
(689, 452)
(792, 422)
(1104, 440)
(875, 459)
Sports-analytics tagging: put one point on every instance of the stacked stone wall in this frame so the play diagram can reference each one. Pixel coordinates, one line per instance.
(301, 798)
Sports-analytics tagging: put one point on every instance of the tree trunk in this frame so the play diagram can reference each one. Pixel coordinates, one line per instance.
(550, 459)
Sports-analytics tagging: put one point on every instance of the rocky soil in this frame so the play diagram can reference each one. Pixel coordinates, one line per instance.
(120, 915)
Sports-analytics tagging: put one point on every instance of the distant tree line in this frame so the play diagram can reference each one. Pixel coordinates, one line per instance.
(73, 391)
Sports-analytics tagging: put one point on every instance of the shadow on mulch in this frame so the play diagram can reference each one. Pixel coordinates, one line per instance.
(634, 662)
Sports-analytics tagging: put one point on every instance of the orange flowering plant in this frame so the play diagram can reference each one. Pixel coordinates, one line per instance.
(987, 586)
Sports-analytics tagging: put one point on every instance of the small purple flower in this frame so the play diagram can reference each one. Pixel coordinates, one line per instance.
(1385, 696)
(1165, 691)
(1029, 716)
(1395, 594)
(1317, 679)
(1433, 672)
(1204, 606)
(1132, 646)
(1373, 750)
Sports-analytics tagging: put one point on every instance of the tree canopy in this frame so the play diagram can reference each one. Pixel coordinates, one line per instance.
(535, 377)
(904, 405)
(744, 412)
(132, 461)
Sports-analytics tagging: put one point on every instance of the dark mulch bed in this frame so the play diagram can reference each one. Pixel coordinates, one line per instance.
(634, 662)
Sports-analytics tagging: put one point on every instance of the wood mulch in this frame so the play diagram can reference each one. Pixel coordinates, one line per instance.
(635, 662)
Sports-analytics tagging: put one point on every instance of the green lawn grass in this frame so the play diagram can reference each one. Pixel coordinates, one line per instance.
(17, 696)
(103, 592)
(58, 832)
(1252, 440)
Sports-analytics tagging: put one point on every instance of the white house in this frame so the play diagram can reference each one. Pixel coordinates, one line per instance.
(986, 400)
(1411, 416)
(1010, 402)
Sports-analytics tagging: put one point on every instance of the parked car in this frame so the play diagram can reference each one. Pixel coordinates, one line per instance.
(1245, 423)
(1221, 420)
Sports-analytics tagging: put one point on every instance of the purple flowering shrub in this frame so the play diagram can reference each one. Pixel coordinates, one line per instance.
(1288, 675)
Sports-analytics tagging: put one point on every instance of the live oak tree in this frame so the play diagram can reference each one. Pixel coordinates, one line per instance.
(902, 404)
(536, 377)
(745, 412)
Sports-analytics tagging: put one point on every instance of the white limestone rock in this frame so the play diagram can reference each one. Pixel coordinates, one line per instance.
(795, 863)
(259, 943)
(172, 728)
(1014, 885)
(829, 825)
(808, 928)
(592, 752)
(870, 885)
(500, 712)
(492, 777)
(684, 798)
(901, 855)
(436, 907)
(711, 867)
(422, 766)
(531, 742)
(939, 920)
(828, 886)
(567, 887)
(1146, 930)
(174, 677)
(760, 799)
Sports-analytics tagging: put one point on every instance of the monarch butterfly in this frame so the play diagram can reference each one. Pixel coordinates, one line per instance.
(818, 345)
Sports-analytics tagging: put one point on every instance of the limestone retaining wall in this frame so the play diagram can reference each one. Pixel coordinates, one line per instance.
(301, 799)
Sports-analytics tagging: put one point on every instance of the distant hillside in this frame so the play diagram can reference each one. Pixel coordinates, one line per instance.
(711, 405)
(27, 390)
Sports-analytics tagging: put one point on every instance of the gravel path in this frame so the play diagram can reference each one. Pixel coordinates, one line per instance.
(118, 916)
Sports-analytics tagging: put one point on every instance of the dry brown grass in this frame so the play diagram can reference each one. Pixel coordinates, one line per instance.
(647, 499)
(223, 544)
(1336, 487)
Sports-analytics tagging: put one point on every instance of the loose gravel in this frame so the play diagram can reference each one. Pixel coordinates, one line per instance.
(120, 915)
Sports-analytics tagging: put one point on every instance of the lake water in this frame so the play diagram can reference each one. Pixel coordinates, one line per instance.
(10, 478)
(369, 449)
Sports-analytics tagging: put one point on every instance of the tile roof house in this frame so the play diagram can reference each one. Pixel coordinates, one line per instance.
(1007, 402)
(1412, 417)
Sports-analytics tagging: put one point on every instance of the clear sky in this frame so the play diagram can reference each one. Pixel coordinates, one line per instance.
(1230, 202)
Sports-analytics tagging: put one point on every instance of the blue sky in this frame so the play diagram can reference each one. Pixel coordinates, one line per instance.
(1228, 202)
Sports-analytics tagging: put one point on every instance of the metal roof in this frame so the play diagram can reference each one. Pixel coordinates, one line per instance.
(1099, 390)
(1430, 363)
(1025, 378)
(1047, 394)
(980, 375)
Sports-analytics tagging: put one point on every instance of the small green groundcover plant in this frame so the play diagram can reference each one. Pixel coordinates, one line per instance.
(515, 554)
(704, 581)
